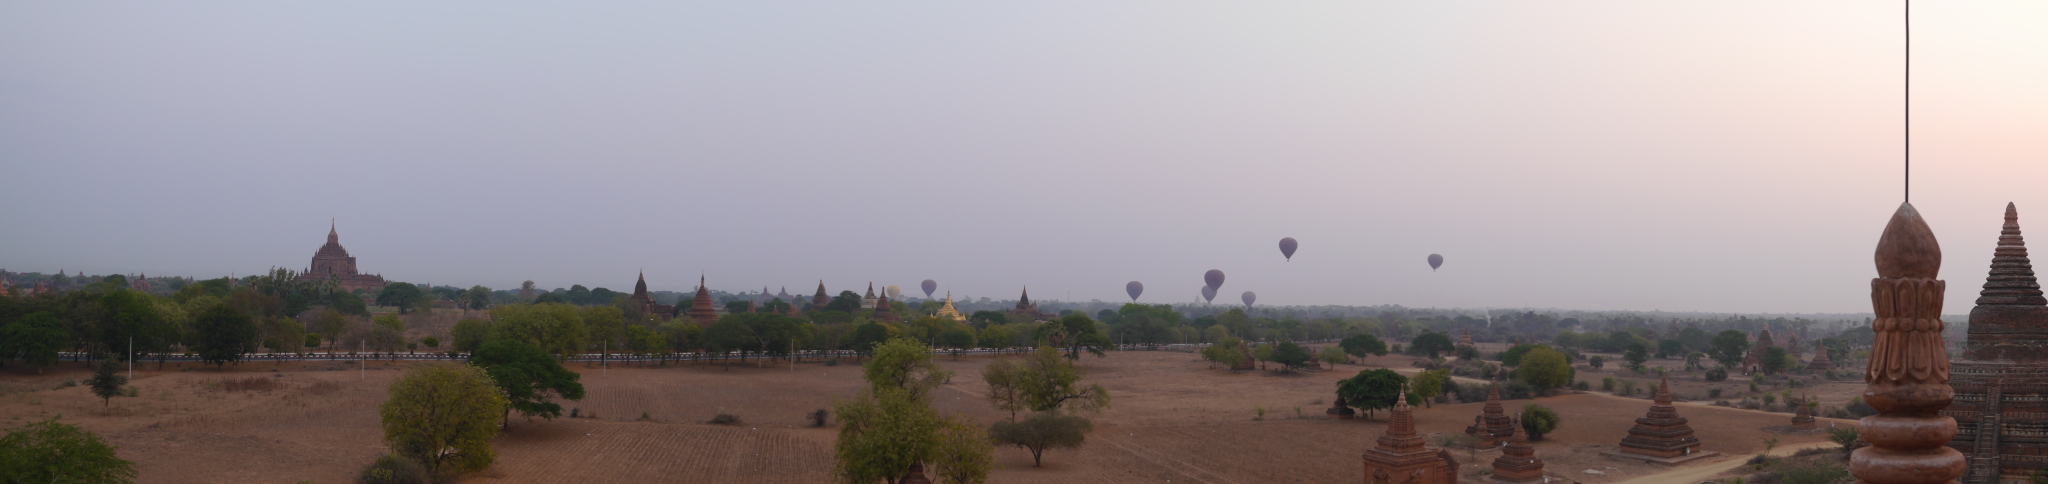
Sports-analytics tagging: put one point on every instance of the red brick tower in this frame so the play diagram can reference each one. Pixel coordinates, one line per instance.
(1492, 427)
(1400, 457)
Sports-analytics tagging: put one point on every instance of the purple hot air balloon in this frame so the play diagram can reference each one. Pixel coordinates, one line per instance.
(929, 286)
(1249, 297)
(1135, 288)
(1208, 294)
(1214, 278)
(1435, 261)
(1287, 246)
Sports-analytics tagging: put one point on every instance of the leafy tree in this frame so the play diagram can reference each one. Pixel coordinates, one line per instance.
(1513, 356)
(1429, 384)
(958, 339)
(1290, 356)
(1371, 389)
(1225, 350)
(1844, 436)
(35, 339)
(890, 425)
(867, 336)
(904, 365)
(49, 451)
(1544, 369)
(1538, 420)
(1075, 332)
(477, 297)
(106, 381)
(988, 318)
(1331, 354)
(1430, 344)
(1567, 340)
(1044, 430)
(1363, 345)
(528, 377)
(1670, 348)
(1597, 361)
(223, 335)
(1041, 381)
(440, 415)
(401, 295)
(1636, 354)
(556, 328)
(1775, 359)
(605, 325)
(996, 336)
(469, 334)
(965, 454)
(346, 303)
(1467, 353)
(729, 333)
(846, 301)
(131, 316)
(1729, 347)
(332, 324)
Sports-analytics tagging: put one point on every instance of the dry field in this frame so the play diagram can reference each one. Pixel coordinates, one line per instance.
(1173, 419)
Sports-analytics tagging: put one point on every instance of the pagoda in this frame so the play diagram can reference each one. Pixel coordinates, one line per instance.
(1908, 374)
(1517, 462)
(1465, 340)
(649, 309)
(1401, 457)
(1661, 436)
(1753, 362)
(1803, 418)
(333, 262)
(1027, 308)
(868, 301)
(1820, 358)
(883, 312)
(1492, 427)
(820, 300)
(2001, 380)
(701, 309)
(947, 311)
(1792, 345)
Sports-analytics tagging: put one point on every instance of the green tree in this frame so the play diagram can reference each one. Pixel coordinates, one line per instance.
(477, 297)
(1290, 356)
(1076, 332)
(106, 381)
(401, 295)
(1538, 420)
(996, 336)
(554, 327)
(1044, 430)
(846, 302)
(1363, 345)
(469, 334)
(331, 324)
(1430, 344)
(1429, 384)
(1332, 355)
(1670, 348)
(133, 318)
(1041, 381)
(867, 336)
(1513, 356)
(222, 335)
(440, 415)
(960, 338)
(1371, 389)
(904, 365)
(965, 454)
(528, 377)
(1775, 359)
(890, 425)
(1225, 350)
(1636, 354)
(35, 339)
(49, 451)
(605, 325)
(1544, 368)
(1729, 347)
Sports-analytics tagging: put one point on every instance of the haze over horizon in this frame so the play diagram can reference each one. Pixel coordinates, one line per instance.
(1726, 156)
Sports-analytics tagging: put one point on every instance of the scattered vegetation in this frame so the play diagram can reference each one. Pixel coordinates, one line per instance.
(440, 416)
(51, 451)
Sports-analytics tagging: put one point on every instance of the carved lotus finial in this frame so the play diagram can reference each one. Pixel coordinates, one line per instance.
(1907, 250)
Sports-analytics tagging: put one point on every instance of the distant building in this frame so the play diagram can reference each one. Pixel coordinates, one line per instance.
(645, 301)
(333, 262)
(868, 301)
(947, 311)
(1026, 308)
(701, 309)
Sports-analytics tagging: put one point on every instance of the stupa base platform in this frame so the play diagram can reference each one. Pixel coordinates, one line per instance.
(1668, 461)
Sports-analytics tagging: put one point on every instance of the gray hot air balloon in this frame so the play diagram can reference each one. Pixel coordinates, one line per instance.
(1214, 278)
(1249, 297)
(1287, 246)
(1435, 261)
(1208, 294)
(929, 286)
(1135, 288)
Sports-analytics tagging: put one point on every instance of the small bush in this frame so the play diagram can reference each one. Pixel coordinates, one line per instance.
(833, 361)
(131, 392)
(1767, 478)
(1607, 383)
(1582, 386)
(1858, 408)
(819, 417)
(724, 419)
(391, 469)
(68, 383)
(1713, 393)
(1717, 374)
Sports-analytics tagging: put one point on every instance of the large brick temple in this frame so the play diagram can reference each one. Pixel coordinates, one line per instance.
(332, 261)
(2001, 380)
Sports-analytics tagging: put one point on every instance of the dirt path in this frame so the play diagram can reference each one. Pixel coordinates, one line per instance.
(1703, 473)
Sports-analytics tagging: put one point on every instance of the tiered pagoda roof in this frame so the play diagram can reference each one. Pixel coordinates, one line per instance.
(2001, 379)
(883, 312)
(1517, 462)
(1401, 456)
(1661, 433)
(1820, 359)
(948, 311)
(1491, 427)
(701, 309)
(819, 300)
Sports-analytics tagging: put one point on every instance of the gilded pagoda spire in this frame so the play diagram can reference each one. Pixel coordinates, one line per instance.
(1907, 378)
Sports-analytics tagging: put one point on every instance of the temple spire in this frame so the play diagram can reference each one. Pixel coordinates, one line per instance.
(2011, 282)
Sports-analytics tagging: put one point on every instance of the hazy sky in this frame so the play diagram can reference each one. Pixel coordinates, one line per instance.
(1694, 155)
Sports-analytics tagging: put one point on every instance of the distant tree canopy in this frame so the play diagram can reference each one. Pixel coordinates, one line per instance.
(528, 377)
(1430, 344)
(1371, 389)
(846, 301)
(1729, 347)
(1544, 368)
(50, 451)
(1363, 345)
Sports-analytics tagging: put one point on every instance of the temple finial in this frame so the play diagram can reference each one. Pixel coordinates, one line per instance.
(1907, 250)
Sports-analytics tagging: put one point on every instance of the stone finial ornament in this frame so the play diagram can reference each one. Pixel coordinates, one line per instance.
(1907, 377)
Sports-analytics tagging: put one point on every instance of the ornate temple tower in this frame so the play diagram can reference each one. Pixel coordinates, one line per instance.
(1401, 457)
(645, 301)
(333, 261)
(1465, 339)
(1753, 362)
(1517, 462)
(1907, 377)
(1662, 436)
(868, 301)
(883, 312)
(947, 311)
(1820, 359)
(2001, 380)
(819, 300)
(1492, 427)
(701, 309)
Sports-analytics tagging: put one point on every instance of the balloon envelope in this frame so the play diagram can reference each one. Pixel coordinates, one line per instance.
(929, 286)
(1214, 278)
(1249, 297)
(1435, 261)
(895, 291)
(1208, 294)
(1135, 288)
(1287, 246)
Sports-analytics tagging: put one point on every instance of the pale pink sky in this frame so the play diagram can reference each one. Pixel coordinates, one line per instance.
(1714, 156)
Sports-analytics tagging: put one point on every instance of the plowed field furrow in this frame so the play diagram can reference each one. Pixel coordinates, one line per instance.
(652, 452)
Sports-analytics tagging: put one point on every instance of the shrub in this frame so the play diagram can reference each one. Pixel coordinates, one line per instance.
(49, 451)
(1607, 383)
(1045, 430)
(391, 469)
(1858, 408)
(1538, 420)
(819, 417)
(1597, 361)
(724, 419)
(1582, 386)
(1717, 374)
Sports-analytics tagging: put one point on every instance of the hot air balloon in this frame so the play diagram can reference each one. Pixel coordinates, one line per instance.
(1249, 297)
(1287, 246)
(1435, 261)
(1214, 278)
(1135, 288)
(929, 286)
(895, 292)
(1208, 294)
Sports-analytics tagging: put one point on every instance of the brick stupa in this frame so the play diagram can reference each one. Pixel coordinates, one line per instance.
(1820, 359)
(1661, 436)
(2001, 380)
(1401, 457)
(701, 309)
(1491, 427)
(1803, 419)
(1907, 377)
(1753, 362)
(1517, 462)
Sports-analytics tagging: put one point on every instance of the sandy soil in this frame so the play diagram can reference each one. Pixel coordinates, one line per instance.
(1173, 418)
